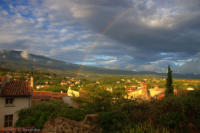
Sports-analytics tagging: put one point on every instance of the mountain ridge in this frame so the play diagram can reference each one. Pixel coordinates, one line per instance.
(21, 60)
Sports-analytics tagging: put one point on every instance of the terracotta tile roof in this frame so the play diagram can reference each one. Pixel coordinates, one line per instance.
(16, 88)
(161, 96)
(46, 96)
(130, 89)
(41, 94)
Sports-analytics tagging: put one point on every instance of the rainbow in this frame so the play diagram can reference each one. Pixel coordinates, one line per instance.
(92, 46)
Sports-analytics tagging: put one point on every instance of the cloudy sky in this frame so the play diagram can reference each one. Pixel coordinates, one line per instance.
(142, 35)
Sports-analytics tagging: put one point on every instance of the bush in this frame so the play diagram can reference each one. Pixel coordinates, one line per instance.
(38, 114)
(146, 127)
(112, 121)
(177, 112)
(180, 114)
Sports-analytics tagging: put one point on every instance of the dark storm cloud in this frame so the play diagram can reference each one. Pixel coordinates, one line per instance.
(151, 26)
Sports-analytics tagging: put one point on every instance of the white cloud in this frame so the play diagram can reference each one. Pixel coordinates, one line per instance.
(63, 30)
(41, 19)
(25, 55)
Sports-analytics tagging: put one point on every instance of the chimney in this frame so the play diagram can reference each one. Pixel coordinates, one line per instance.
(31, 82)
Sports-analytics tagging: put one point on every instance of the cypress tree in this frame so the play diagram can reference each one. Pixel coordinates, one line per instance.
(169, 83)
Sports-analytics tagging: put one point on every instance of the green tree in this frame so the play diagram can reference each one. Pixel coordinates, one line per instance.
(169, 83)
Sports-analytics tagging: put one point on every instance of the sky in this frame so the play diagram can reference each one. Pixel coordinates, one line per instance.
(137, 35)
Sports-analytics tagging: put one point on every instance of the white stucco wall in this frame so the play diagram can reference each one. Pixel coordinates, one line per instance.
(72, 93)
(135, 94)
(154, 92)
(18, 104)
(138, 93)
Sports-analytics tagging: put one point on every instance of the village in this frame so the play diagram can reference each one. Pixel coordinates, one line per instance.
(19, 92)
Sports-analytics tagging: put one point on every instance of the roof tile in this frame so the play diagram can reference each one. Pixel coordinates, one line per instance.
(17, 88)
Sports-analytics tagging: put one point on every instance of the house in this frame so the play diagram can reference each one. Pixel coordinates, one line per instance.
(154, 92)
(142, 93)
(108, 89)
(161, 95)
(63, 83)
(14, 96)
(190, 89)
(41, 86)
(72, 93)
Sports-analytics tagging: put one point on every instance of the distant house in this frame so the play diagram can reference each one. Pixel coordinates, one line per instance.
(108, 89)
(63, 83)
(161, 95)
(142, 93)
(14, 96)
(72, 93)
(146, 94)
(155, 92)
(190, 89)
(41, 86)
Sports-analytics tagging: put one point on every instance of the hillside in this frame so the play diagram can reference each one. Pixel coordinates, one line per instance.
(20, 61)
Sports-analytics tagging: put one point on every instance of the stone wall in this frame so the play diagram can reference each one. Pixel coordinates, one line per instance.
(63, 125)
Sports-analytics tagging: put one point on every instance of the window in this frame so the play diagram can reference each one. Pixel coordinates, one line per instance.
(9, 101)
(8, 120)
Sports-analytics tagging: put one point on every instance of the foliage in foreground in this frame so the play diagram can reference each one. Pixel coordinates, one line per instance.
(173, 114)
(38, 114)
(145, 127)
(179, 114)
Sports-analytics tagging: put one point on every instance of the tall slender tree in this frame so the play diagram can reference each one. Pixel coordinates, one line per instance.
(169, 83)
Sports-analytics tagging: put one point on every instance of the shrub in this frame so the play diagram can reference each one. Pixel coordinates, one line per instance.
(112, 121)
(38, 114)
(146, 127)
(177, 112)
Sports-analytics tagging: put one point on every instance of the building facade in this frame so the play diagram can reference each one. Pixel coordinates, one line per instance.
(14, 96)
